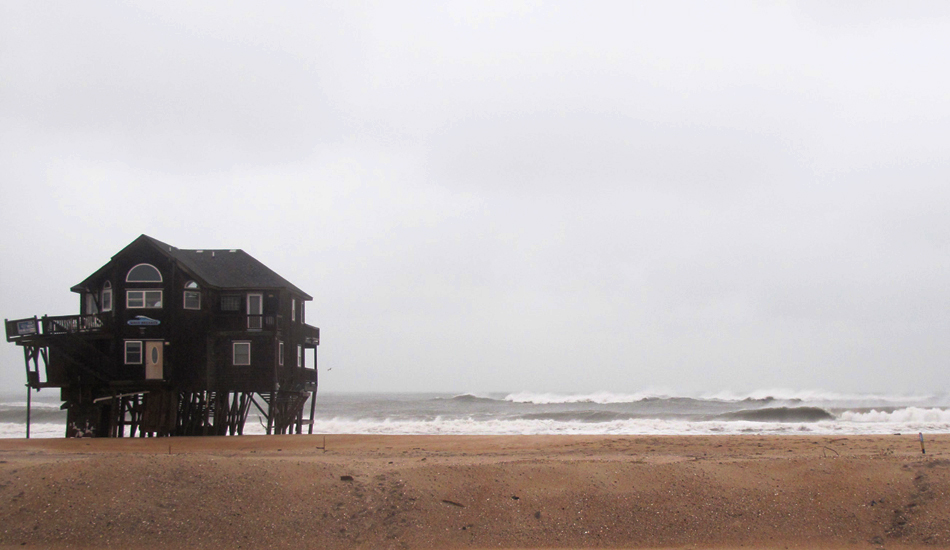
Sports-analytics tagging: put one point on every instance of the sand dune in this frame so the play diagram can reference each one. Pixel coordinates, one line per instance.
(476, 492)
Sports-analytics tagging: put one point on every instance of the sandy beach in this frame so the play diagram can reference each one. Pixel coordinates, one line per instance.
(362, 491)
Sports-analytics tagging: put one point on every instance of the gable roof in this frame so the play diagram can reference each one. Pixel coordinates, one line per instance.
(223, 269)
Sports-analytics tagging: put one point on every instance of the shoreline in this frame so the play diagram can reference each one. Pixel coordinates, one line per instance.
(426, 491)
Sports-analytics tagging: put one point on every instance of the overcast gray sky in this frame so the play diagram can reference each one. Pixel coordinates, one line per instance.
(508, 196)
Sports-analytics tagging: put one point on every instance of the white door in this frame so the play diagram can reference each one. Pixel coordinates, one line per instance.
(153, 360)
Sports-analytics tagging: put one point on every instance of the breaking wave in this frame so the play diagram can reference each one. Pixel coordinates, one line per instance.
(581, 416)
(470, 398)
(600, 398)
(780, 414)
(907, 415)
(605, 413)
(35, 405)
(786, 394)
(827, 398)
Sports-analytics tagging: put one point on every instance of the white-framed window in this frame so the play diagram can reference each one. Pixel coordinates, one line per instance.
(300, 357)
(192, 299)
(255, 311)
(192, 296)
(143, 299)
(144, 273)
(133, 352)
(280, 353)
(241, 353)
(107, 296)
(293, 309)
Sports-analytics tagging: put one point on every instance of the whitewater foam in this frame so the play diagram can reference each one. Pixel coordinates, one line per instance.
(816, 396)
(907, 415)
(644, 413)
(618, 427)
(765, 395)
(600, 398)
(35, 405)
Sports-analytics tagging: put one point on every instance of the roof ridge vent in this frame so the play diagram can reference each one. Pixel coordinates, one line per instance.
(233, 250)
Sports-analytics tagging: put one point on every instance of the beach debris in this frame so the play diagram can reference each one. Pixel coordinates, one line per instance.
(537, 515)
(452, 503)
(922, 450)
(346, 478)
(824, 448)
(513, 497)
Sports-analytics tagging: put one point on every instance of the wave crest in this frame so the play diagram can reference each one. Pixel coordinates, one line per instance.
(472, 398)
(787, 394)
(780, 414)
(907, 415)
(600, 398)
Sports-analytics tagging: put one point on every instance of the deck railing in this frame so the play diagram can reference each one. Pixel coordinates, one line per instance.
(299, 379)
(243, 321)
(311, 335)
(20, 329)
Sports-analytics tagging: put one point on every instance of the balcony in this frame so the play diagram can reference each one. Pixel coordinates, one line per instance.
(243, 321)
(299, 379)
(237, 322)
(34, 328)
(311, 335)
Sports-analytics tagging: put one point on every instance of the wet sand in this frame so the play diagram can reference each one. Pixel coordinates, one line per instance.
(477, 492)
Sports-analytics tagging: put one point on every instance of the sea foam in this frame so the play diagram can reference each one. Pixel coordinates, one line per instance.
(907, 415)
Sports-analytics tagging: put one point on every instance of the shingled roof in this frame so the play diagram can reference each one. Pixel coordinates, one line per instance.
(224, 268)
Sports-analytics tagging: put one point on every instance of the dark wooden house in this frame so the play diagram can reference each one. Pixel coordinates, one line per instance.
(176, 342)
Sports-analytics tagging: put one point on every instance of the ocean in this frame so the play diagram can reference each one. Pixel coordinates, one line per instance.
(648, 413)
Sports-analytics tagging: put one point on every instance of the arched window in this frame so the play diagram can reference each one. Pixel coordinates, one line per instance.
(107, 296)
(143, 273)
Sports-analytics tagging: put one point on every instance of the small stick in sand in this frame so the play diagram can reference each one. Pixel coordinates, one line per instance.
(823, 453)
(922, 450)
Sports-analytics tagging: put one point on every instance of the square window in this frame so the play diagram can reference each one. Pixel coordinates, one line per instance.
(139, 299)
(192, 299)
(153, 298)
(134, 299)
(133, 353)
(230, 303)
(242, 353)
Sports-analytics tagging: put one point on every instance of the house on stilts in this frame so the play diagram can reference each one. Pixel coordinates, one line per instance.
(176, 342)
